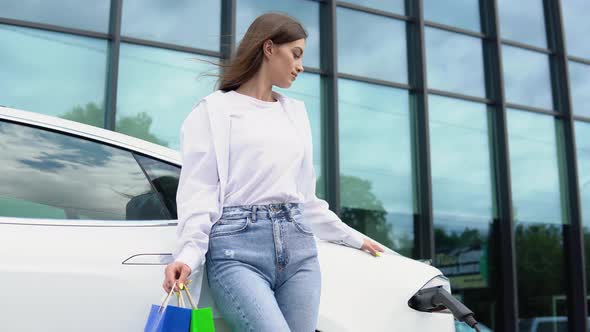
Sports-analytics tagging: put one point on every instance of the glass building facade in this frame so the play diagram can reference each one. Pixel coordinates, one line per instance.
(452, 131)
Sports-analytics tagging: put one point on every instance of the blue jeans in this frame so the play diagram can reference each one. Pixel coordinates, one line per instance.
(263, 269)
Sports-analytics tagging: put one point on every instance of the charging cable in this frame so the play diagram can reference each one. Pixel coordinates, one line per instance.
(438, 299)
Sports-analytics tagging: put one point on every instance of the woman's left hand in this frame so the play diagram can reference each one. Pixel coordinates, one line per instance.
(372, 247)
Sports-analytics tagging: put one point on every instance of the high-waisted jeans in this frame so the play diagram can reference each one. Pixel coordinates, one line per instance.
(263, 269)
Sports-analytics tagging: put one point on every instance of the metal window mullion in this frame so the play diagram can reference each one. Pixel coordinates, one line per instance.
(574, 234)
(228, 29)
(507, 309)
(113, 65)
(329, 95)
(423, 223)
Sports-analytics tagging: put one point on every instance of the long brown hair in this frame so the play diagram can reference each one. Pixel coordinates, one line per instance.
(278, 27)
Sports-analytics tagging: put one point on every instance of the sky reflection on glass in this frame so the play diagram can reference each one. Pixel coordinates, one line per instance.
(580, 88)
(87, 179)
(183, 22)
(582, 130)
(462, 14)
(89, 15)
(533, 167)
(454, 62)
(460, 155)
(523, 21)
(577, 27)
(394, 6)
(61, 71)
(526, 77)
(163, 84)
(379, 52)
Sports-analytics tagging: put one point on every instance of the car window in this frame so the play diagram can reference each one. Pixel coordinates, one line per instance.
(164, 178)
(45, 174)
(552, 327)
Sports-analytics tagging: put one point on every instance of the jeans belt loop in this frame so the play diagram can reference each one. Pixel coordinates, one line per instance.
(254, 215)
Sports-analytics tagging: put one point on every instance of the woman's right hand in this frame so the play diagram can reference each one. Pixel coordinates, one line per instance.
(175, 271)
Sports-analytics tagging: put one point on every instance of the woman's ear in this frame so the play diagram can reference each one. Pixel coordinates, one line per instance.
(267, 48)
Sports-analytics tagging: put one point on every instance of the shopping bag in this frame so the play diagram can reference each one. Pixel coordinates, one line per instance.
(168, 318)
(201, 319)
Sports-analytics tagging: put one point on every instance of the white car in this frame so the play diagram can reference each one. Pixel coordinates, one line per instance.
(87, 223)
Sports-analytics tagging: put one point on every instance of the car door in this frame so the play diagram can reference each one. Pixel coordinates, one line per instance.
(84, 232)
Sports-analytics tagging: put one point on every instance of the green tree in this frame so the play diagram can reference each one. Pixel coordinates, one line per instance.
(136, 126)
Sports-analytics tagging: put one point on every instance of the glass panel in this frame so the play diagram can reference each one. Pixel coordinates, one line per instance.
(526, 77)
(61, 176)
(577, 26)
(164, 178)
(395, 6)
(538, 221)
(379, 52)
(89, 15)
(580, 88)
(307, 89)
(523, 21)
(459, 13)
(375, 162)
(66, 74)
(306, 12)
(184, 22)
(454, 62)
(582, 130)
(462, 201)
(157, 90)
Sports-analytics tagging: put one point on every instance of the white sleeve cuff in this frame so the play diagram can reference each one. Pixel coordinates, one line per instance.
(191, 257)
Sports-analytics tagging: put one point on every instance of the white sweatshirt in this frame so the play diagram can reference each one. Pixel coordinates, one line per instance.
(206, 179)
(265, 153)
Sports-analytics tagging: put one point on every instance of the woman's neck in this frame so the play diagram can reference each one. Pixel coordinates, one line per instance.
(257, 87)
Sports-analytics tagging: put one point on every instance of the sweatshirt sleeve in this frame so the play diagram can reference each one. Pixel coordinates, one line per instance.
(325, 224)
(198, 189)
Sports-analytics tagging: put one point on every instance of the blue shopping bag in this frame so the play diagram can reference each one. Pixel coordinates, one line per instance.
(168, 318)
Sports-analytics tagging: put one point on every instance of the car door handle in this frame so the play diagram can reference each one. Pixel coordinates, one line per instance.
(149, 259)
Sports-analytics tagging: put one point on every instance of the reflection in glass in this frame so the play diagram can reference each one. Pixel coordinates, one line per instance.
(454, 62)
(53, 73)
(157, 90)
(459, 13)
(582, 130)
(307, 89)
(523, 21)
(184, 22)
(539, 226)
(375, 163)
(164, 177)
(462, 200)
(379, 52)
(89, 15)
(534, 167)
(306, 12)
(394, 6)
(526, 77)
(577, 26)
(71, 178)
(580, 88)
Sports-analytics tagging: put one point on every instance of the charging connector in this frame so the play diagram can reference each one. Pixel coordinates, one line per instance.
(437, 299)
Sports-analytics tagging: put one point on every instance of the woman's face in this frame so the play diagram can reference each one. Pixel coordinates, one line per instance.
(285, 63)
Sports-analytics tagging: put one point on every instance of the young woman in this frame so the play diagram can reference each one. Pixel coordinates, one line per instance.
(246, 198)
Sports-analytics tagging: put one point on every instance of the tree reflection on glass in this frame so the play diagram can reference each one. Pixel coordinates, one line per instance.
(372, 218)
(136, 126)
(540, 265)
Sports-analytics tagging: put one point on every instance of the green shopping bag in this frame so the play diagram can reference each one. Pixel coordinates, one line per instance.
(201, 319)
